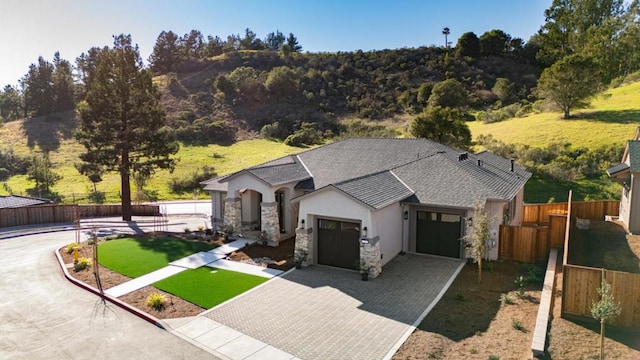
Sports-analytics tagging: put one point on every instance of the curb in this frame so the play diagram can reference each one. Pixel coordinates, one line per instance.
(135, 311)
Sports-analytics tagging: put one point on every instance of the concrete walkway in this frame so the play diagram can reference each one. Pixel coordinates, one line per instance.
(214, 258)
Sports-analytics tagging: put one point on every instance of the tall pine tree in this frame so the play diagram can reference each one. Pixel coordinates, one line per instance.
(122, 125)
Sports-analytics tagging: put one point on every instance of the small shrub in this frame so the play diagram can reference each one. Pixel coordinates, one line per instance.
(97, 197)
(519, 281)
(156, 301)
(473, 351)
(534, 274)
(517, 325)
(186, 230)
(459, 297)
(493, 357)
(82, 264)
(69, 248)
(506, 299)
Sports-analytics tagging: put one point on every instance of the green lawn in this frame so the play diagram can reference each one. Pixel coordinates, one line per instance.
(134, 257)
(208, 287)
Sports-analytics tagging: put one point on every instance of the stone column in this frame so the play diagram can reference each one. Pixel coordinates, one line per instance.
(269, 222)
(370, 255)
(304, 244)
(233, 213)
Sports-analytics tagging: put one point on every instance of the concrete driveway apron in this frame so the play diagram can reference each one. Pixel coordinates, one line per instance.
(327, 313)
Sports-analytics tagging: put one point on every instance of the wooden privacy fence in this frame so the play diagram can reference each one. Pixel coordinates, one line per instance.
(580, 289)
(531, 243)
(544, 227)
(595, 210)
(49, 214)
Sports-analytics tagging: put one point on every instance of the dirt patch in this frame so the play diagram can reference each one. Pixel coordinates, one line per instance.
(175, 307)
(470, 322)
(605, 244)
(580, 339)
(278, 257)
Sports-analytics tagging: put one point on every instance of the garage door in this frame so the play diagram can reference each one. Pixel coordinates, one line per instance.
(338, 243)
(438, 234)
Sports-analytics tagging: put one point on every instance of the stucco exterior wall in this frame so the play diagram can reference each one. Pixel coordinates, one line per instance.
(247, 181)
(387, 225)
(333, 204)
(495, 213)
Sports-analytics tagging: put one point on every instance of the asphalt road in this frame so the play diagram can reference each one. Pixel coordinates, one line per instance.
(42, 315)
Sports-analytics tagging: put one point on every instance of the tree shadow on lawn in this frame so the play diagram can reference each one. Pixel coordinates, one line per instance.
(47, 131)
(603, 245)
(611, 116)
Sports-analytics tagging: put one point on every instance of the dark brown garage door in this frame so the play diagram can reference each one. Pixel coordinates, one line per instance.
(338, 243)
(438, 234)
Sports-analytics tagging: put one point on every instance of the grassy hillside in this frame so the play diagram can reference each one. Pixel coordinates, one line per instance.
(19, 135)
(612, 119)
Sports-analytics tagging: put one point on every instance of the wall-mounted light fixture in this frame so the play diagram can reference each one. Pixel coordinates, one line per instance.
(302, 224)
(469, 221)
(364, 232)
(406, 215)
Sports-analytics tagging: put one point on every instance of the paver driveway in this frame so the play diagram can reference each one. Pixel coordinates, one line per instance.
(326, 313)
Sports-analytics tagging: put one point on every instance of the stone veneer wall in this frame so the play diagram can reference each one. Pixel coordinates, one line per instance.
(270, 223)
(233, 213)
(370, 255)
(304, 243)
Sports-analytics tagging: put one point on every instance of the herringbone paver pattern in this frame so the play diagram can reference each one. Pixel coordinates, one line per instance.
(327, 313)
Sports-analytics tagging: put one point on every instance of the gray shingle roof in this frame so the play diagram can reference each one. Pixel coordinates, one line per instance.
(214, 185)
(376, 190)
(14, 201)
(634, 155)
(382, 171)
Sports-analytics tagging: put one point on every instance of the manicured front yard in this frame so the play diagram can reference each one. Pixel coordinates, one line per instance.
(137, 256)
(208, 287)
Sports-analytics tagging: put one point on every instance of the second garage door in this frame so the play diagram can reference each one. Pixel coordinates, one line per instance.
(438, 234)
(338, 243)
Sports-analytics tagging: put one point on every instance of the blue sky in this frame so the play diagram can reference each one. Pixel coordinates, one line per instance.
(32, 28)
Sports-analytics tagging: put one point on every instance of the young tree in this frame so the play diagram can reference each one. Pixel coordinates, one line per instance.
(38, 88)
(476, 240)
(40, 171)
(606, 309)
(494, 43)
(569, 83)
(122, 125)
(444, 125)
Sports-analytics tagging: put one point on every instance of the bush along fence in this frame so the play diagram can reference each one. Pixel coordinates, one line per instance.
(544, 226)
(49, 214)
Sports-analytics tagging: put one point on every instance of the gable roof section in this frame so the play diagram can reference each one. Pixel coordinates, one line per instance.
(377, 190)
(277, 172)
(14, 201)
(214, 185)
